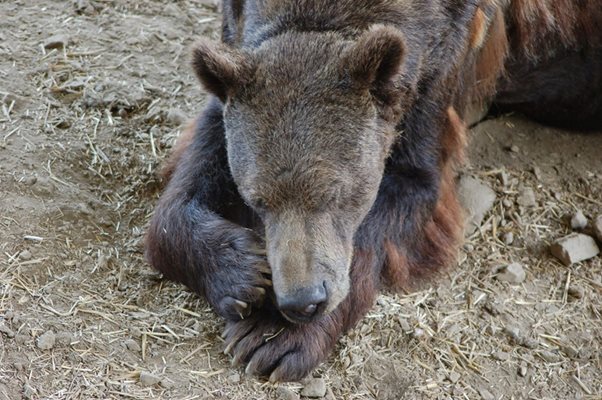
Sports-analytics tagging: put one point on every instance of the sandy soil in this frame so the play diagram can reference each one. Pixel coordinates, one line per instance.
(83, 129)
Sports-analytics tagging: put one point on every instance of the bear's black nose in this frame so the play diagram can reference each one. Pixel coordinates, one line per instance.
(304, 304)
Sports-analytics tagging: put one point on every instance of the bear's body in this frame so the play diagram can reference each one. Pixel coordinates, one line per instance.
(334, 134)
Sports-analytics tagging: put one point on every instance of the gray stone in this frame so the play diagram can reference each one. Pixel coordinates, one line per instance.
(574, 248)
(46, 341)
(84, 7)
(454, 377)
(477, 199)
(512, 273)
(56, 42)
(508, 238)
(314, 388)
(526, 197)
(25, 255)
(576, 291)
(578, 220)
(501, 356)
(234, 378)
(475, 113)
(148, 379)
(176, 116)
(283, 393)
(548, 356)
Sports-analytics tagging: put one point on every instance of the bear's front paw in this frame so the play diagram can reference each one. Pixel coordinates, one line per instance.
(241, 282)
(272, 347)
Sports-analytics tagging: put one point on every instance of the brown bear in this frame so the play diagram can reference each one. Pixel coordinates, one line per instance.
(322, 168)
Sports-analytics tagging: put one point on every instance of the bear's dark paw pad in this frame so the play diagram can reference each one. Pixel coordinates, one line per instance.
(276, 349)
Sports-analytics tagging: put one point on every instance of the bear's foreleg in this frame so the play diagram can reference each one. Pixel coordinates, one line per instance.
(192, 239)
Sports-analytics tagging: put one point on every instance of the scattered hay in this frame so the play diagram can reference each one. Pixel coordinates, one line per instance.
(83, 128)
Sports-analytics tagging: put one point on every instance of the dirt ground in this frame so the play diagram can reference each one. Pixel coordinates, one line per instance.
(83, 129)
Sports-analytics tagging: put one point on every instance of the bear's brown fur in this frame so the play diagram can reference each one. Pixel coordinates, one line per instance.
(323, 169)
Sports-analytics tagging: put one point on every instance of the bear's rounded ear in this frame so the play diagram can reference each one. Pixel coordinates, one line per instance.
(375, 59)
(221, 69)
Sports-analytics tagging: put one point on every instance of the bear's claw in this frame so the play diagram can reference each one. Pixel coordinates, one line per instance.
(275, 349)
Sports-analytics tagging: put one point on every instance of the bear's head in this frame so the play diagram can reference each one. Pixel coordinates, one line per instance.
(310, 119)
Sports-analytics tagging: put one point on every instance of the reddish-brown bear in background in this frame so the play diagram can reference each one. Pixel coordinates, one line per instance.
(323, 167)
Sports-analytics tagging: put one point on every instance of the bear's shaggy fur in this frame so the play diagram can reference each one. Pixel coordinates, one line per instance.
(326, 159)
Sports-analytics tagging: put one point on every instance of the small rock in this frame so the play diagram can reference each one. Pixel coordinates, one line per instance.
(514, 148)
(508, 238)
(526, 197)
(501, 356)
(25, 255)
(234, 378)
(537, 173)
(315, 388)
(148, 379)
(512, 273)
(22, 339)
(578, 220)
(46, 341)
(576, 292)
(598, 228)
(30, 180)
(176, 116)
(477, 199)
(574, 248)
(84, 7)
(548, 356)
(132, 345)
(56, 42)
(522, 370)
(454, 377)
(6, 330)
(514, 333)
(283, 393)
